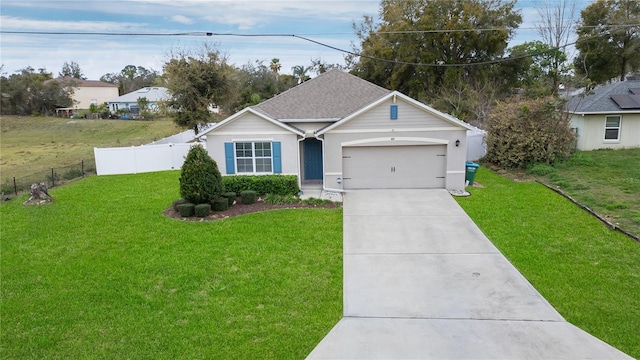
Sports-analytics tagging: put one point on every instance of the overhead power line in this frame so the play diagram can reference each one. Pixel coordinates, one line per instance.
(304, 38)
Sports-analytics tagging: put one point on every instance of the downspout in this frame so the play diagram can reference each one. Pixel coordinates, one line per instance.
(300, 140)
(324, 168)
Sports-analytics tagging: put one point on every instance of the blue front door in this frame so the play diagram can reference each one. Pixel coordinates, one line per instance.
(312, 159)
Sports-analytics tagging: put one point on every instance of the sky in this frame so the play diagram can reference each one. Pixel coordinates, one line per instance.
(326, 21)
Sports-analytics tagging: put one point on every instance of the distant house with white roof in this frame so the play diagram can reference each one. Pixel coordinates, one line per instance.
(129, 102)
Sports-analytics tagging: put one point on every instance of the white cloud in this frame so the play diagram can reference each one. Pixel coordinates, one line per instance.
(22, 24)
(181, 19)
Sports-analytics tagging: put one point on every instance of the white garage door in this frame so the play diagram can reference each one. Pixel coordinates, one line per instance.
(394, 167)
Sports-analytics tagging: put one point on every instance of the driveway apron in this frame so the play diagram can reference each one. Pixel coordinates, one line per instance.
(421, 281)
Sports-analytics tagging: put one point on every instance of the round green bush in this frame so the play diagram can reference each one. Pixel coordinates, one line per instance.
(202, 210)
(186, 209)
(175, 204)
(220, 204)
(248, 196)
(200, 180)
(231, 197)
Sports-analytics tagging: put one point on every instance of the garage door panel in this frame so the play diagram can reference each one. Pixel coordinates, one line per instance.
(393, 167)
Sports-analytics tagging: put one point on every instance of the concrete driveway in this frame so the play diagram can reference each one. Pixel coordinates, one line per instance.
(421, 281)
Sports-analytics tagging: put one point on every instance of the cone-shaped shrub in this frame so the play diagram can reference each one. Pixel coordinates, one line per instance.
(200, 180)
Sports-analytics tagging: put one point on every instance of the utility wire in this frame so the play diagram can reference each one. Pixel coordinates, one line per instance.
(210, 34)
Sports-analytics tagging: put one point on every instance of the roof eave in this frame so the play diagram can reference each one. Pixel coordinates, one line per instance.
(259, 114)
(429, 109)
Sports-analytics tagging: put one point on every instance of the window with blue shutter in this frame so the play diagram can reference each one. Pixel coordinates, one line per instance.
(394, 112)
(253, 157)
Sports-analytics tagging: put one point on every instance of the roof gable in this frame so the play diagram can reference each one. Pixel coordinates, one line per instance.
(240, 114)
(395, 94)
(332, 95)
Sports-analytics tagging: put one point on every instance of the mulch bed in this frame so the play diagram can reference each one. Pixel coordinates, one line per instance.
(240, 209)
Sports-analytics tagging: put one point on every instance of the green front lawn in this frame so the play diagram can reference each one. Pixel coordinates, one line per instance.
(101, 273)
(590, 274)
(607, 181)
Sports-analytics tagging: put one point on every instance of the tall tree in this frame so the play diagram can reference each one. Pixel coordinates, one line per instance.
(320, 66)
(421, 47)
(256, 83)
(72, 70)
(542, 68)
(131, 78)
(555, 27)
(608, 40)
(275, 66)
(29, 92)
(197, 80)
(300, 73)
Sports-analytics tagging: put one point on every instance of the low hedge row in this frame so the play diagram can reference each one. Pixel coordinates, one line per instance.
(262, 184)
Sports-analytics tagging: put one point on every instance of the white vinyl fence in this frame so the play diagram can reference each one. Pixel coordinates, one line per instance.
(139, 159)
(476, 145)
(185, 136)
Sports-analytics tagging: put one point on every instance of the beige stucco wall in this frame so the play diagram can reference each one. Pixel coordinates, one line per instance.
(414, 126)
(591, 132)
(83, 97)
(250, 127)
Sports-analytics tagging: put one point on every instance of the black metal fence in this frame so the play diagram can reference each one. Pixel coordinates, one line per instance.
(15, 185)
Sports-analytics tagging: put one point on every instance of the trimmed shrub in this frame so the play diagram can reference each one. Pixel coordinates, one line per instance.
(220, 204)
(202, 210)
(175, 204)
(231, 197)
(263, 184)
(248, 196)
(200, 180)
(186, 209)
(522, 132)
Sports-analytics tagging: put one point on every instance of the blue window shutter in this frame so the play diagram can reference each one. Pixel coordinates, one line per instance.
(394, 112)
(229, 159)
(277, 157)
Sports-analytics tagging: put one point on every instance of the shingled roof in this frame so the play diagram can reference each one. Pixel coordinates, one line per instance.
(330, 96)
(614, 97)
(82, 82)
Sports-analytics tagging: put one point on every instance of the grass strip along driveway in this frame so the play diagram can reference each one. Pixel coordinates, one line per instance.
(607, 181)
(589, 273)
(101, 273)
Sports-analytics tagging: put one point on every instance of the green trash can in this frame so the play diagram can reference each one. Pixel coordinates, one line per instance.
(471, 172)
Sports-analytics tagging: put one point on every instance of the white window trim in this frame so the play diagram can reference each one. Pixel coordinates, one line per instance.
(619, 127)
(253, 157)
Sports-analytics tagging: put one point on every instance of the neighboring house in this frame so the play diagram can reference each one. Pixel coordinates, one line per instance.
(345, 133)
(129, 102)
(608, 116)
(87, 92)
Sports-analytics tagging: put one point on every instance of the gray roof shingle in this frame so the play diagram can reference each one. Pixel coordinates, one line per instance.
(600, 98)
(332, 95)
